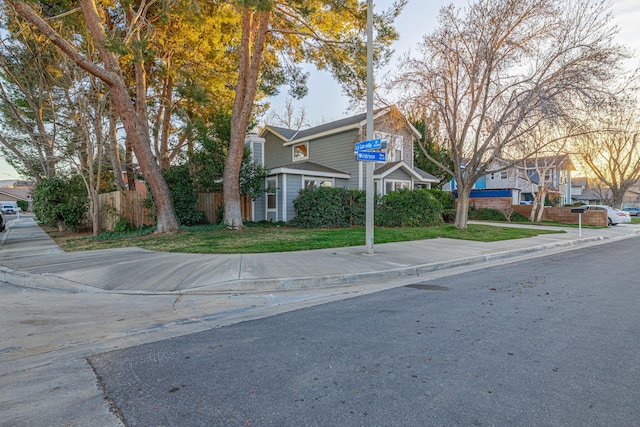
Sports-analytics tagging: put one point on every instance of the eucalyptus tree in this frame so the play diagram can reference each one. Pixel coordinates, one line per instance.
(276, 35)
(116, 53)
(191, 72)
(493, 71)
(31, 81)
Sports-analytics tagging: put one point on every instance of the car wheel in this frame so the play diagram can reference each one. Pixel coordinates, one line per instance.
(609, 222)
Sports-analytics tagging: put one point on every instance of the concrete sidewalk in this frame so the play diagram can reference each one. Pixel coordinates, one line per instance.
(30, 258)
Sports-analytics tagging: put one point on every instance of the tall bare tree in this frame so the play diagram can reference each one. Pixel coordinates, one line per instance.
(612, 151)
(289, 117)
(493, 71)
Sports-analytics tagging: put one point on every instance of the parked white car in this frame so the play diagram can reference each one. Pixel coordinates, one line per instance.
(8, 209)
(614, 216)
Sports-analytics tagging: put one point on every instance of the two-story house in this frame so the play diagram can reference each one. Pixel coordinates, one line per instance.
(324, 156)
(521, 182)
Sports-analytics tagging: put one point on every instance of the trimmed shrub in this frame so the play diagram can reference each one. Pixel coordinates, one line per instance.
(485, 214)
(329, 207)
(409, 208)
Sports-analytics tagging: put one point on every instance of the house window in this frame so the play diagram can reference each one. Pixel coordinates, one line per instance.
(301, 151)
(314, 182)
(397, 146)
(271, 185)
(396, 185)
(503, 175)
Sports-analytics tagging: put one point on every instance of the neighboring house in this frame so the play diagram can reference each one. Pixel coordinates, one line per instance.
(557, 177)
(521, 183)
(324, 156)
(595, 195)
(578, 186)
(13, 194)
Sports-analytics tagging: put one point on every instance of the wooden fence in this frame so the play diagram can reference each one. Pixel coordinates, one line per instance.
(126, 205)
(131, 206)
(210, 203)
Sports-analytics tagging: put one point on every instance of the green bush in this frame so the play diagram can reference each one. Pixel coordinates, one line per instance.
(485, 214)
(183, 195)
(61, 200)
(23, 205)
(445, 198)
(329, 207)
(517, 217)
(409, 208)
(449, 216)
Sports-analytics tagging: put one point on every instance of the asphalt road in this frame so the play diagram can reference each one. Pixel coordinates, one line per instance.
(553, 341)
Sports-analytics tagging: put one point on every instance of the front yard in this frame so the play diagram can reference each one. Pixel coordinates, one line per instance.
(259, 238)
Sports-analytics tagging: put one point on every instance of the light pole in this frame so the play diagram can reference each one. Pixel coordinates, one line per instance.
(369, 169)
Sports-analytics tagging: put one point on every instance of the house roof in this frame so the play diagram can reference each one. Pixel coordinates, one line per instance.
(292, 136)
(310, 168)
(426, 175)
(579, 182)
(22, 193)
(594, 194)
(417, 173)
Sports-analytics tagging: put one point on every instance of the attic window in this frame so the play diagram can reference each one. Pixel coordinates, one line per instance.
(301, 151)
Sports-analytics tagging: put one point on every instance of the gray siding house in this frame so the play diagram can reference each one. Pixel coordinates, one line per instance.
(324, 156)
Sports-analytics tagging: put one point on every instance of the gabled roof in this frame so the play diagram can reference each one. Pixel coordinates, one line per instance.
(579, 182)
(593, 194)
(417, 173)
(309, 168)
(17, 193)
(291, 136)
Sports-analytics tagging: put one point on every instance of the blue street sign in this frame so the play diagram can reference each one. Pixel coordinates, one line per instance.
(373, 144)
(371, 156)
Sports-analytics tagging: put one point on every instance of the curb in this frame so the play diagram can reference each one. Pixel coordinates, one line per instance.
(418, 271)
(59, 284)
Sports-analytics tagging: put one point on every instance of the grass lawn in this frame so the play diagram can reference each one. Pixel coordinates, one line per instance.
(258, 238)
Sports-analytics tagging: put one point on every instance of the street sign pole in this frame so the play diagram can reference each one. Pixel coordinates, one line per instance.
(369, 170)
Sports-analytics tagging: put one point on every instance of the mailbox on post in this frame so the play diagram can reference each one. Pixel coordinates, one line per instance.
(579, 210)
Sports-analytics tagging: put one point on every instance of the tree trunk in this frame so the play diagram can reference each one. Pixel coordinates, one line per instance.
(543, 198)
(128, 164)
(141, 143)
(165, 158)
(250, 61)
(462, 210)
(114, 153)
(94, 209)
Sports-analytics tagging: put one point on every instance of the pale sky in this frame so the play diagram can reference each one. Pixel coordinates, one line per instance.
(325, 102)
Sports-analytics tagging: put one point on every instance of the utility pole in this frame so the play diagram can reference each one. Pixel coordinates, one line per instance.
(370, 165)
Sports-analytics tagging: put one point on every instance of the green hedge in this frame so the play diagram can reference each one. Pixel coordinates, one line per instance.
(329, 207)
(409, 208)
(332, 207)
